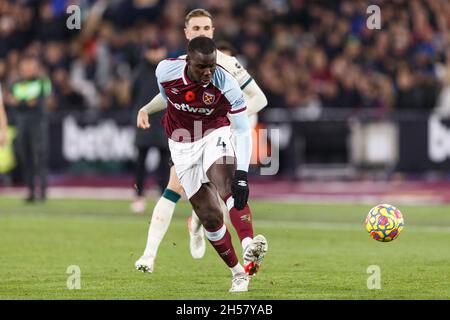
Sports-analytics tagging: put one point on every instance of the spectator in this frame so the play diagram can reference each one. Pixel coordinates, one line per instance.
(145, 87)
(28, 97)
(307, 37)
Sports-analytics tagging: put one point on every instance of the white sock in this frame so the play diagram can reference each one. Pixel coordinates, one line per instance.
(245, 242)
(161, 217)
(237, 269)
(196, 224)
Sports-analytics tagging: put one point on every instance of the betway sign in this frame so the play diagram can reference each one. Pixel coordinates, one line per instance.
(438, 140)
(105, 141)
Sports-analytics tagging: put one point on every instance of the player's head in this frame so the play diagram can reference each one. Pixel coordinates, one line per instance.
(201, 59)
(198, 22)
(29, 66)
(155, 51)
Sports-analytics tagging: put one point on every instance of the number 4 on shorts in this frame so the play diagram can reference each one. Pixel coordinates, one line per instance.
(220, 143)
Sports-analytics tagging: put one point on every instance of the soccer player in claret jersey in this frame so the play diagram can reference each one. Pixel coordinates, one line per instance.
(198, 22)
(200, 95)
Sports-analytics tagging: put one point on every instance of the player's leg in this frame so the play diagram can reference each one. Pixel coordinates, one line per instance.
(206, 205)
(196, 232)
(160, 221)
(221, 174)
(41, 149)
(197, 244)
(26, 156)
(163, 169)
(138, 204)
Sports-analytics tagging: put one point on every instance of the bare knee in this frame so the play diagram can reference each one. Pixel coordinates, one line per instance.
(213, 221)
(174, 183)
(210, 216)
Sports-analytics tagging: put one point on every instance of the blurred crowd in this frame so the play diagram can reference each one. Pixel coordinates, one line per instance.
(304, 54)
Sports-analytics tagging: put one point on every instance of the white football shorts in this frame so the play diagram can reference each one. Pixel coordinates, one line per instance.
(192, 160)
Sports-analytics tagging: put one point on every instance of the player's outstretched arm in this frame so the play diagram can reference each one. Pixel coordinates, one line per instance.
(240, 188)
(156, 104)
(254, 97)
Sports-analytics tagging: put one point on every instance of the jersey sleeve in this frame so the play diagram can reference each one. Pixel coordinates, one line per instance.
(160, 71)
(162, 91)
(158, 74)
(165, 71)
(231, 90)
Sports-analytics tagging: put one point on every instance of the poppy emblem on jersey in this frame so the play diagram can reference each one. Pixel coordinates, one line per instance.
(208, 98)
(189, 96)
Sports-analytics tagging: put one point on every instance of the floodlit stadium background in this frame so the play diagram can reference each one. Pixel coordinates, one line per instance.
(350, 103)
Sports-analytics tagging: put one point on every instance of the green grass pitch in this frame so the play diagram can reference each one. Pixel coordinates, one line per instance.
(316, 251)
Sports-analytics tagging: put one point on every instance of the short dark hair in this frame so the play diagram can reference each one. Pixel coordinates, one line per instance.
(203, 45)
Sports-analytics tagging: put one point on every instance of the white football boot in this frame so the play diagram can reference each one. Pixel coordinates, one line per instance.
(145, 264)
(138, 205)
(254, 254)
(197, 242)
(239, 283)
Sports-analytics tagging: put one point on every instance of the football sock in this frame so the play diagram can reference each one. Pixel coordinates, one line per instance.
(242, 221)
(220, 239)
(237, 269)
(161, 216)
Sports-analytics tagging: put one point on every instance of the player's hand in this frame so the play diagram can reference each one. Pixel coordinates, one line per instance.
(240, 189)
(142, 120)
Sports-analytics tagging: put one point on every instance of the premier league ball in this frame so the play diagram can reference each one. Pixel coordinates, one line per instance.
(384, 222)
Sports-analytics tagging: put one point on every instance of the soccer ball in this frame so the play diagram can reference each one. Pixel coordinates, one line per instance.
(384, 222)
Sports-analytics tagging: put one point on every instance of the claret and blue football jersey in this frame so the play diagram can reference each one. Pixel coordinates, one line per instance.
(191, 104)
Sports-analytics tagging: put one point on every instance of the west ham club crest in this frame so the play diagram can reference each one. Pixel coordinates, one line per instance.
(208, 98)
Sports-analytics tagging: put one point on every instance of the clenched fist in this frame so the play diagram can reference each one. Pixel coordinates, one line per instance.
(240, 189)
